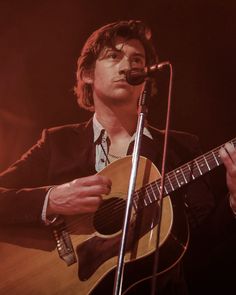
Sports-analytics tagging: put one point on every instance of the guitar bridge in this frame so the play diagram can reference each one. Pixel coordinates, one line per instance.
(63, 243)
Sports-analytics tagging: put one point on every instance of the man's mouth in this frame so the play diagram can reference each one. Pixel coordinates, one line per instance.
(120, 80)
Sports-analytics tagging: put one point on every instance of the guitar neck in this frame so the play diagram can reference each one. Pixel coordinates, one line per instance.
(179, 177)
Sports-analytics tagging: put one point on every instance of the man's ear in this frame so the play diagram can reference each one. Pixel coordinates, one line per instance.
(87, 76)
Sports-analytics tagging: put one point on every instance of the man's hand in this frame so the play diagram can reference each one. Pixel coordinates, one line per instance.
(228, 156)
(82, 195)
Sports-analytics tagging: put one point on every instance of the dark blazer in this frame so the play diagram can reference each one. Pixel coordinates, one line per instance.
(67, 152)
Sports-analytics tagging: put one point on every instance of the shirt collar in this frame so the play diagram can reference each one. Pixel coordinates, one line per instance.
(99, 130)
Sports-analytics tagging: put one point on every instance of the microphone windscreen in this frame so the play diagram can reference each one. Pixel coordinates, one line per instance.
(135, 76)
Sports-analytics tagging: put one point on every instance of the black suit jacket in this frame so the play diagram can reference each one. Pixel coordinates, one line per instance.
(67, 152)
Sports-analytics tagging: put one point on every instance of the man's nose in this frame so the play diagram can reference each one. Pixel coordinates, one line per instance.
(125, 65)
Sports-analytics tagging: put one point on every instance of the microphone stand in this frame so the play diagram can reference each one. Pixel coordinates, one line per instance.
(133, 175)
(163, 171)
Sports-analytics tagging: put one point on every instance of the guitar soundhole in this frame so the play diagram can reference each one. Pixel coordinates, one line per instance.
(108, 219)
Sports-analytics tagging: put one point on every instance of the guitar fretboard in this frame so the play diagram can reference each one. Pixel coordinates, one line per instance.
(179, 177)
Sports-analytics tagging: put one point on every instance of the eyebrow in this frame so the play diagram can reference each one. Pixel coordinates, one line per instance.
(108, 49)
(139, 54)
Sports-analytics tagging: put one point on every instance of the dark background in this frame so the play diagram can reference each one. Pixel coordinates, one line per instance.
(40, 43)
(41, 40)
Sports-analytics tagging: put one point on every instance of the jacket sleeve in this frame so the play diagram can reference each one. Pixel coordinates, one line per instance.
(23, 186)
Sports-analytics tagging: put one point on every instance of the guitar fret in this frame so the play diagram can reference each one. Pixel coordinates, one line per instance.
(191, 174)
(173, 180)
(178, 177)
(149, 198)
(215, 159)
(185, 180)
(208, 167)
(139, 202)
(196, 172)
(145, 202)
(186, 173)
(211, 161)
(143, 197)
(166, 191)
(198, 167)
(168, 178)
(203, 166)
(153, 193)
(135, 202)
(158, 189)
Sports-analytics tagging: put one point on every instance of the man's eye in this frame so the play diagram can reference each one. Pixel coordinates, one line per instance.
(138, 60)
(113, 55)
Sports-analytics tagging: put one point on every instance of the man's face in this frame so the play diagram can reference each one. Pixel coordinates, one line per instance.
(108, 81)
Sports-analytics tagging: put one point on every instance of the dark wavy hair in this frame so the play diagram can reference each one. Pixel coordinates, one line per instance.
(105, 37)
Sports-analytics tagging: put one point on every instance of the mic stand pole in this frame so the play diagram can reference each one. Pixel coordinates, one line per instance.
(163, 168)
(133, 175)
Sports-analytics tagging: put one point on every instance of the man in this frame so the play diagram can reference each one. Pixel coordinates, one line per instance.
(57, 177)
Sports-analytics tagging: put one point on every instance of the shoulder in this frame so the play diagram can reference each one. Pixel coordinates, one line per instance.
(65, 134)
(68, 130)
(177, 136)
(180, 144)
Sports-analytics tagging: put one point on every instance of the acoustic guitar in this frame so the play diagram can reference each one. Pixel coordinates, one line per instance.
(78, 255)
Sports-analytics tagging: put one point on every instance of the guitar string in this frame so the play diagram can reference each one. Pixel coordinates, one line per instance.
(108, 222)
(150, 185)
(184, 168)
(108, 161)
(104, 209)
(104, 219)
(107, 207)
(40, 254)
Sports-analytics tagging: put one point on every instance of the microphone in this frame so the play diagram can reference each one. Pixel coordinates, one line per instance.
(136, 76)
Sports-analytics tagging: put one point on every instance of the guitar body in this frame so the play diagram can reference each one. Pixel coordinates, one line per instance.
(30, 263)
